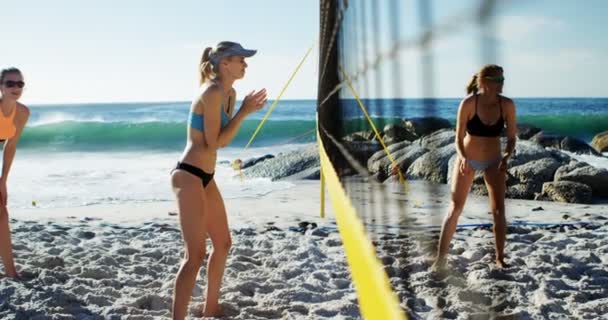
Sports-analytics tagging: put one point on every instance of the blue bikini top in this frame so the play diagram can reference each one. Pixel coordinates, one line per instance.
(198, 122)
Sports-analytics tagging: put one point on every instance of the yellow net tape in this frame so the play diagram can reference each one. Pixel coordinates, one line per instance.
(278, 97)
(376, 298)
(238, 164)
(369, 119)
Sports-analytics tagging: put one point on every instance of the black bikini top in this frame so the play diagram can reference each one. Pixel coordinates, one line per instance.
(476, 127)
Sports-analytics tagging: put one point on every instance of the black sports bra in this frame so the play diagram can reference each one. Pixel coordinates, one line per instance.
(476, 127)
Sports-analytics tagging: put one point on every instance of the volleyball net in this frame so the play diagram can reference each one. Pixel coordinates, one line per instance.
(381, 130)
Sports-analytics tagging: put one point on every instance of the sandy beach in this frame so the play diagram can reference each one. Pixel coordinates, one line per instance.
(558, 257)
(101, 101)
(119, 261)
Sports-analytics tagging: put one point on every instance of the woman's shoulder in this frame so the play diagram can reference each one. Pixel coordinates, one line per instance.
(208, 93)
(210, 89)
(22, 114)
(506, 101)
(23, 109)
(468, 100)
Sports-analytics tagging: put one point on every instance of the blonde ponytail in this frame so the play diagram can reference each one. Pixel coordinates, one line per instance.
(472, 86)
(206, 71)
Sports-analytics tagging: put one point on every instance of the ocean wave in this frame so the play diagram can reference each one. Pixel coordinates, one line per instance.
(581, 126)
(584, 127)
(88, 134)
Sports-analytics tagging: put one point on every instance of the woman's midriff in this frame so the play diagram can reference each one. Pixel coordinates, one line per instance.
(200, 156)
(481, 148)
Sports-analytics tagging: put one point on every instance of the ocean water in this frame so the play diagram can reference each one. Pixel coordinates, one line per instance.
(578, 117)
(82, 155)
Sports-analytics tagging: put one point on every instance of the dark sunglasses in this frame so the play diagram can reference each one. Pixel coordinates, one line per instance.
(12, 84)
(499, 79)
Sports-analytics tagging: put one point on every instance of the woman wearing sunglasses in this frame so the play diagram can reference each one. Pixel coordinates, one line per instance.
(211, 125)
(13, 116)
(482, 116)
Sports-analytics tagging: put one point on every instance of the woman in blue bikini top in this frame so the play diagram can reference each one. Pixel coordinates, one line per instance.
(197, 121)
(481, 119)
(202, 212)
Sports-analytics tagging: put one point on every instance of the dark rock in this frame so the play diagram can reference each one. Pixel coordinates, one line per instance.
(392, 148)
(253, 161)
(437, 139)
(362, 150)
(525, 131)
(379, 176)
(360, 136)
(433, 165)
(563, 143)
(577, 146)
(561, 157)
(395, 133)
(567, 168)
(286, 164)
(523, 191)
(307, 225)
(85, 235)
(313, 173)
(425, 125)
(526, 151)
(320, 233)
(405, 160)
(379, 160)
(534, 174)
(515, 191)
(565, 191)
(595, 178)
(547, 140)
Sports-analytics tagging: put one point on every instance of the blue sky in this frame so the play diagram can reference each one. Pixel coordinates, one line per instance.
(110, 51)
(548, 48)
(136, 50)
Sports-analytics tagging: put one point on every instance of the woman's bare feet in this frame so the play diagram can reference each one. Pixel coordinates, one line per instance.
(216, 312)
(439, 264)
(501, 263)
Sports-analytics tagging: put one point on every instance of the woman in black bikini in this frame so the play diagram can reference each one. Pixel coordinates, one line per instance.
(481, 119)
(201, 208)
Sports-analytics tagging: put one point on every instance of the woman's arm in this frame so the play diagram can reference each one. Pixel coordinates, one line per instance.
(253, 102)
(212, 103)
(511, 128)
(10, 147)
(461, 121)
(218, 137)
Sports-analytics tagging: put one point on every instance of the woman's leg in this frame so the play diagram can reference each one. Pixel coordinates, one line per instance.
(461, 185)
(496, 183)
(216, 222)
(6, 248)
(191, 205)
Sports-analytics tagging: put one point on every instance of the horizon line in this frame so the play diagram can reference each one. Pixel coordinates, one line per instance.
(37, 104)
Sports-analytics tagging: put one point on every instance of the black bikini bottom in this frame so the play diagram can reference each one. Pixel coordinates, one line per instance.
(204, 176)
